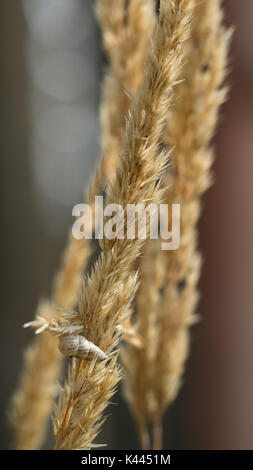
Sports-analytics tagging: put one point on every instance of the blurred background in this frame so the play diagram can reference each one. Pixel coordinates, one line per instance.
(51, 71)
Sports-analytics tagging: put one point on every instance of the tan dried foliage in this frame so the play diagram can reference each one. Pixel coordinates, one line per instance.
(108, 292)
(32, 401)
(191, 125)
(137, 101)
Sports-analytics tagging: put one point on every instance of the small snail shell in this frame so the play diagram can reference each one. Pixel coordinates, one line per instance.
(79, 346)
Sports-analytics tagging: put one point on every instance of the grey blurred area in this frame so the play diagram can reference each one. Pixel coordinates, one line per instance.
(50, 90)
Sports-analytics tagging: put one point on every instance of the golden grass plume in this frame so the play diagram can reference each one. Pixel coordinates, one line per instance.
(32, 402)
(108, 292)
(166, 314)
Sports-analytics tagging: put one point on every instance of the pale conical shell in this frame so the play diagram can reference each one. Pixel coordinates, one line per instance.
(79, 346)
